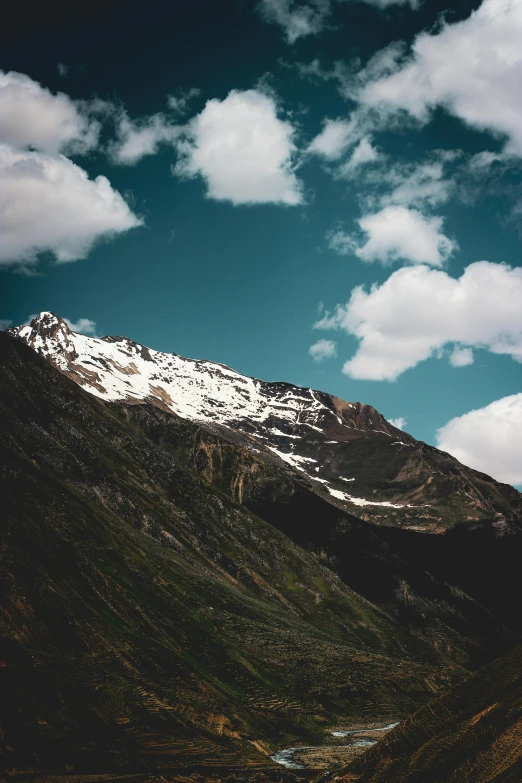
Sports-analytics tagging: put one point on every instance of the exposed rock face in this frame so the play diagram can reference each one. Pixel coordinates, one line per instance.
(347, 451)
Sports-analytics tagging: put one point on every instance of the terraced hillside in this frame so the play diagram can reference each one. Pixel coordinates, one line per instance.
(471, 734)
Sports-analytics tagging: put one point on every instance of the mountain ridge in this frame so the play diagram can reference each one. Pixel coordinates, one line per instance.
(349, 452)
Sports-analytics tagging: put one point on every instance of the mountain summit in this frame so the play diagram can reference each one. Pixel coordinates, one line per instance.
(348, 452)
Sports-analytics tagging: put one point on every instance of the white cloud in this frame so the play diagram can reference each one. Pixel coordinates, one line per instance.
(179, 103)
(418, 310)
(414, 4)
(82, 325)
(296, 18)
(364, 153)
(50, 204)
(472, 68)
(243, 151)
(488, 439)
(400, 422)
(461, 357)
(138, 138)
(32, 117)
(334, 139)
(418, 183)
(322, 349)
(300, 19)
(397, 233)
(5, 323)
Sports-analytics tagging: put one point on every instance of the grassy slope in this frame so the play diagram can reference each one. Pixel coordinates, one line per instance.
(148, 620)
(449, 590)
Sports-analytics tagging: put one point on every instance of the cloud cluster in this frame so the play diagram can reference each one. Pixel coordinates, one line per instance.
(421, 184)
(243, 151)
(418, 311)
(299, 19)
(488, 439)
(31, 117)
(138, 138)
(396, 233)
(47, 202)
(295, 18)
(472, 69)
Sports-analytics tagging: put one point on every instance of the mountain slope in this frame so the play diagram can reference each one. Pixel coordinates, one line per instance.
(473, 733)
(348, 452)
(148, 621)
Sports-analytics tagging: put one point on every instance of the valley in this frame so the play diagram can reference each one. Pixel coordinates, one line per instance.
(181, 603)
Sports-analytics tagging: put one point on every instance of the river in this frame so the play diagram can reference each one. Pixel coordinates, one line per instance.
(320, 756)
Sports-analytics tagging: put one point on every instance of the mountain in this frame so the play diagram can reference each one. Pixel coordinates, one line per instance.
(347, 451)
(472, 733)
(178, 600)
(151, 622)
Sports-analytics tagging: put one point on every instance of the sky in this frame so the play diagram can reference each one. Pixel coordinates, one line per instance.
(325, 192)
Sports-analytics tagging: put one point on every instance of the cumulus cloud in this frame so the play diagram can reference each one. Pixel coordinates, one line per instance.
(472, 68)
(139, 138)
(297, 19)
(488, 439)
(395, 233)
(400, 422)
(322, 349)
(33, 117)
(50, 204)
(418, 310)
(243, 150)
(461, 357)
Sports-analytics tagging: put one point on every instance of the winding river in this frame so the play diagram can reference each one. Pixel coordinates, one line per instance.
(354, 738)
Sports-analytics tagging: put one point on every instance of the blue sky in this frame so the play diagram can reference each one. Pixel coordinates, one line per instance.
(323, 192)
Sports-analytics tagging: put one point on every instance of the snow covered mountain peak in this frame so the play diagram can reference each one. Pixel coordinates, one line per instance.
(118, 369)
(346, 451)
